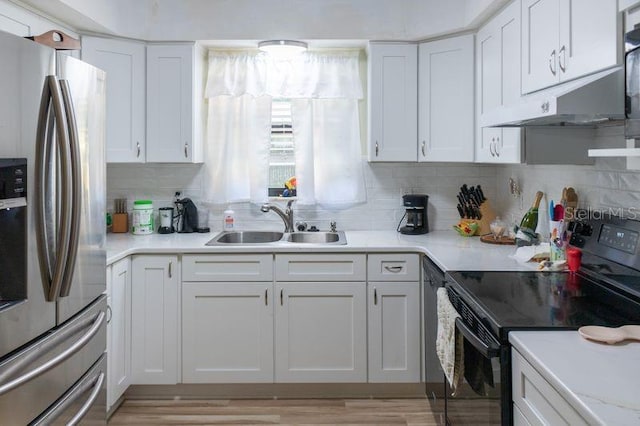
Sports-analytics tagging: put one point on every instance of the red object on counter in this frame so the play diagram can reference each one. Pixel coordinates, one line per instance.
(574, 258)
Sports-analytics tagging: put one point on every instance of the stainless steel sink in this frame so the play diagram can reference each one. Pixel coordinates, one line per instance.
(265, 237)
(246, 237)
(318, 237)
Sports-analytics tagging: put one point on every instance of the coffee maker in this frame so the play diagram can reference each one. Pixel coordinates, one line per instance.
(416, 214)
(187, 216)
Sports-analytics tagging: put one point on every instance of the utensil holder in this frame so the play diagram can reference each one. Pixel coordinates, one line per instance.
(120, 223)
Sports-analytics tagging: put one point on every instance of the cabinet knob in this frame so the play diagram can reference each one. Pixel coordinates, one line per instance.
(552, 62)
(424, 154)
(375, 296)
(376, 148)
(545, 106)
(266, 297)
(562, 59)
(170, 266)
(138, 149)
(186, 154)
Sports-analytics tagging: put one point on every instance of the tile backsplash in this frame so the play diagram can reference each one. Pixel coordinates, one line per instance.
(385, 183)
(605, 185)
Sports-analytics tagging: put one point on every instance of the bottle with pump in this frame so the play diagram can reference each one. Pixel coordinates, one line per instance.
(228, 221)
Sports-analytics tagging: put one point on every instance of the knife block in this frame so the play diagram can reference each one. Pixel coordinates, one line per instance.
(488, 216)
(120, 223)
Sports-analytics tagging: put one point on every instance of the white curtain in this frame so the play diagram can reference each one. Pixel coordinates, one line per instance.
(324, 89)
(237, 152)
(328, 155)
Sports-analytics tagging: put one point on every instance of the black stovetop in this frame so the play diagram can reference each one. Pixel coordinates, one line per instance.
(542, 300)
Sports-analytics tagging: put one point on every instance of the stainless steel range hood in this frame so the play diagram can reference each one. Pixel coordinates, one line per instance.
(593, 100)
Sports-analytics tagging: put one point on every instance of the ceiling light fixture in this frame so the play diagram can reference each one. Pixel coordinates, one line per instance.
(282, 47)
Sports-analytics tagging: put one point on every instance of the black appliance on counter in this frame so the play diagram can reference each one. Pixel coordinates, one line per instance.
(187, 216)
(416, 214)
(605, 291)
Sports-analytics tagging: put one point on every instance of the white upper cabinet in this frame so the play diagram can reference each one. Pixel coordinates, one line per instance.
(498, 86)
(446, 100)
(565, 39)
(393, 87)
(124, 63)
(174, 103)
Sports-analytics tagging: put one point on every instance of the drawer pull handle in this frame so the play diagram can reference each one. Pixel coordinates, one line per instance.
(170, 273)
(266, 297)
(375, 296)
(281, 297)
(394, 269)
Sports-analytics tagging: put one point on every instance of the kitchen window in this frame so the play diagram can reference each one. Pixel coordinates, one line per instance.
(282, 163)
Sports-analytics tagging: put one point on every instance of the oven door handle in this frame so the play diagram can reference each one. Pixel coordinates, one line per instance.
(487, 351)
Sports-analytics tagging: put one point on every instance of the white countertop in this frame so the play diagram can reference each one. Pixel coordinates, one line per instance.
(602, 382)
(447, 249)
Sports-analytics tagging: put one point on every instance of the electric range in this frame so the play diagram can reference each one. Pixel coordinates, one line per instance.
(604, 291)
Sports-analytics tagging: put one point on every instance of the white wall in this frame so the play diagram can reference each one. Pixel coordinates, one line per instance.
(386, 183)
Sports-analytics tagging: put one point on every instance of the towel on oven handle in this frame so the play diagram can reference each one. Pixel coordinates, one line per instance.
(449, 341)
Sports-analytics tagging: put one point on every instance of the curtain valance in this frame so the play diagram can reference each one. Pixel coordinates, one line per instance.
(311, 75)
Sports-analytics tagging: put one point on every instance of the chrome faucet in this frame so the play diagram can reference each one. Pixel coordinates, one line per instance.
(286, 216)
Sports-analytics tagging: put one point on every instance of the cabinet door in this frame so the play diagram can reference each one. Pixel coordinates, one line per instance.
(540, 36)
(170, 78)
(321, 332)
(498, 70)
(539, 403)
(393, 86)
(227, 331)
(154, 332)
(394, 331)
(446, 100)
(124, 63)
(588, 37)
(119, 339)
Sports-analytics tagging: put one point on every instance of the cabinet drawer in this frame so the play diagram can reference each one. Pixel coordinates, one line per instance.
(393, 267)
(320, 267)
(537, 400)
(249, 267)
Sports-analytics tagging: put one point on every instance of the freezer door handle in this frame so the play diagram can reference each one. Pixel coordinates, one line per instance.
(95, 323)
(74, 178)
(53, 224)
(95, 385)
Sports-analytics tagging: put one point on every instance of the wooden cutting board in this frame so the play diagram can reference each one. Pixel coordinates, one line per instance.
(488, 238)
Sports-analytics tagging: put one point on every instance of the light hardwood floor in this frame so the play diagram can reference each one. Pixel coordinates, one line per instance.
(414, 412)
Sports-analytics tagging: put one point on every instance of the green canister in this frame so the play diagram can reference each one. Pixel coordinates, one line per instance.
(142, 217)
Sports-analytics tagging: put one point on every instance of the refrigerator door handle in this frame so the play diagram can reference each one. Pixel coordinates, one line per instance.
(74, 176)
(52, 259)
(95, 323)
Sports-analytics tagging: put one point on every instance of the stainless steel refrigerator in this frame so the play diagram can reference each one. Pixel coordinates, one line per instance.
(53, 310)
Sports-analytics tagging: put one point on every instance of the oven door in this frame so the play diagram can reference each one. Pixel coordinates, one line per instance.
(479, 400)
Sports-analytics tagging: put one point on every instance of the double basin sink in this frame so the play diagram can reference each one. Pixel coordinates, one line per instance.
(262, 237)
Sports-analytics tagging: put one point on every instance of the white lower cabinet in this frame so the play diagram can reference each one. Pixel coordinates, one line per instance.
(155, 341)
(394, 331)
(227, 330)
(535, 400)
(118, 330)
(393, 317)
(321, 332)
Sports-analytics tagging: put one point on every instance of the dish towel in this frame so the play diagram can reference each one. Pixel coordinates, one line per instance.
(449, 342)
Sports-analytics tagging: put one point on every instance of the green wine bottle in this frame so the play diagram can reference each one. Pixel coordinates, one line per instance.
(530, 219)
